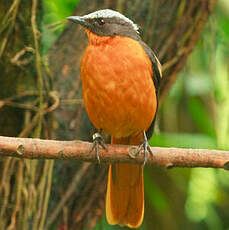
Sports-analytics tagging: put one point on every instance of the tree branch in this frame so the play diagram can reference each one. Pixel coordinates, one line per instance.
(79, 150)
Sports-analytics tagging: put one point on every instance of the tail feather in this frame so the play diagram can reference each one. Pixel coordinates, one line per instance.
(125, 191)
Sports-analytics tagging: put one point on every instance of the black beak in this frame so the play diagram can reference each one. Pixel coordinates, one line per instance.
(79, 20)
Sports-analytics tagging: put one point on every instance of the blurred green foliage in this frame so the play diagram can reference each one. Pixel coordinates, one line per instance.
(201, 94)
(55, 13)
(194, 115)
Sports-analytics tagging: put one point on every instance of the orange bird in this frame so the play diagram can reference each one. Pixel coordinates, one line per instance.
(120, 77)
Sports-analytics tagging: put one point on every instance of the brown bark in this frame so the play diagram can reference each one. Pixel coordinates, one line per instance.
(80, 151)
(170, 27)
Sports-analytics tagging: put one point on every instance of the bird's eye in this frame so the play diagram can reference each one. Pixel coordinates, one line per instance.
(100, 21)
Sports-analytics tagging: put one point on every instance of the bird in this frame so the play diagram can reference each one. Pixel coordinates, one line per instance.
(120, 77)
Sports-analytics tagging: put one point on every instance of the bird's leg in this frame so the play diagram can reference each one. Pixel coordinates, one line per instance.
(97, 141)
(146, 148)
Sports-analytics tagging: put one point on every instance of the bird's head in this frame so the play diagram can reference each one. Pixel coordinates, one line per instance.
(107, 23)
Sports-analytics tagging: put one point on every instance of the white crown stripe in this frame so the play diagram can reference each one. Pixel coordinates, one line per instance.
(110, 14)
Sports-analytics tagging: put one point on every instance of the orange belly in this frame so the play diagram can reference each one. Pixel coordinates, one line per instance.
(118, 90)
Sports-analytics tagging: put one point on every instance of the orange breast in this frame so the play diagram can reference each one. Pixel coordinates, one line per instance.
(118, 90)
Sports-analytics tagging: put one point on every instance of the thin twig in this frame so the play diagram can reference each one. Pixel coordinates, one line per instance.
(38, 62)
(47, 194)
(18, 105)
(16, 59)
(13, 10)
(71, 101)
(18, 196)
(67, 195)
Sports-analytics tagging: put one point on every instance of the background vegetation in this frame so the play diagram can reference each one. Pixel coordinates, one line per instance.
(195, 114)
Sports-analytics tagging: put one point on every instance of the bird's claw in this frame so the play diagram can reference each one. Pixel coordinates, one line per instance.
(146, 148)
(97, 141)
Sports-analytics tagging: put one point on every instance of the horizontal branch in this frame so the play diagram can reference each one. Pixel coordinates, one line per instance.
(78, 150)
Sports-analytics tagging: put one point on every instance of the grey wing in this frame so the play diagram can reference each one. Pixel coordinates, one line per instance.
(157, 75)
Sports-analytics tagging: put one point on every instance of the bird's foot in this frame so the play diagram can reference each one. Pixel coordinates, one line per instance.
(146, 149)
(97, 141)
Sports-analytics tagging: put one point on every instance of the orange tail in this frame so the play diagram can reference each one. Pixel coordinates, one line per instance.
(125, 190)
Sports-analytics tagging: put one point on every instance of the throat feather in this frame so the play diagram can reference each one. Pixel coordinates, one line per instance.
(96, 39)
